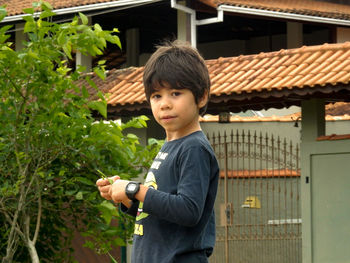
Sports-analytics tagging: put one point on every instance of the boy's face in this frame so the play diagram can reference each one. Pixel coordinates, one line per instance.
(176, 111)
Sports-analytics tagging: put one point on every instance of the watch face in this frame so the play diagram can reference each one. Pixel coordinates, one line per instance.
(131, 187)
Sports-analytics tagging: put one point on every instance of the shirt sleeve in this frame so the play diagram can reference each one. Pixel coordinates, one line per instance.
(132, 210)
(186, 206)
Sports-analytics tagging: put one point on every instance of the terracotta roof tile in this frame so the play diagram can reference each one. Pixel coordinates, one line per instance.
(286, 118)
(339, 108)
(296, 67)
(334, 137)
(15, 7)
(260, 173)
(305, 7)
(296, 72)
(302, 7)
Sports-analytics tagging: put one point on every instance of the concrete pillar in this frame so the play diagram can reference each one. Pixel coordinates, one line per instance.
(132, 47)
(19, 36)
(84, 60)
(183, 24)
(313, 122)
(294, 34)
(312, 126)
(342, 34)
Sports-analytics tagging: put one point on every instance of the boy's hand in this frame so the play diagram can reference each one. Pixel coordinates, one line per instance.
(117, 191)
(104, 186)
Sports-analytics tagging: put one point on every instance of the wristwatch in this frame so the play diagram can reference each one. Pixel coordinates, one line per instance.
(131, 190)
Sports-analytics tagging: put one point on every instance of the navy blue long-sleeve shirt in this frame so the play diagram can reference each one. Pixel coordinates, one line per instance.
(176, 221)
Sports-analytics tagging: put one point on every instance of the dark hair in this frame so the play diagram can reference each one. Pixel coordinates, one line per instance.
(180, 66)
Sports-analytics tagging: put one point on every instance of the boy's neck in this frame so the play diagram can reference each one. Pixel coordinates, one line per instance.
(175, 135)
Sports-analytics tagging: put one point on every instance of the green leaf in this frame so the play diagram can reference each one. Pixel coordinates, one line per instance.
(100, 106)
(33, 55)
(100, 95)
(84, 19)
(3, 13)
(91, 83)
(97, 51)
(3, 31)
(100, 73)
(107, 211)
(132, 136)
(84, 180)
(46, 13)
(67, 48)
(29, 11)
(97, 28)
(79, 195)
(111, 232)
(112, 258)
(116, 40)
(62, 114)
(46, 6)
(108, 206)
(29, 25)
(119, 242)
(84, 92)
(71, 192)
(61, 39)
(144, 117)
(36, 4)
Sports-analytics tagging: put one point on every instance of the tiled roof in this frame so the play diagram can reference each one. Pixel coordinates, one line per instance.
(284, 69)
(301, 7)
(275, 79)
(314, 71)
(304, 7)
(334, 137)
(15, 7)
(270, 173)
(123, 86)
(337, 109)
(287, 118)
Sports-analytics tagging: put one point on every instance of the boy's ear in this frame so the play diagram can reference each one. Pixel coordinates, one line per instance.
(203, 101)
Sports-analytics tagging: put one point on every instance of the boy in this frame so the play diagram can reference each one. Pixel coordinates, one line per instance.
(174, 212)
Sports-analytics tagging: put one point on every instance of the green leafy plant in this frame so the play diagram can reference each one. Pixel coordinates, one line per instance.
(51, 147)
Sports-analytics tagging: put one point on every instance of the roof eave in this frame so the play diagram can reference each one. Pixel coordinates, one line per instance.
(277, 98)
(85, 8)
(263, 100)
(283, 15)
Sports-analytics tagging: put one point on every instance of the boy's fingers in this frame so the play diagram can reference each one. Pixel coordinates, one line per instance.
(116, 177)
(105, 196)
(103, 182)
(104, 188)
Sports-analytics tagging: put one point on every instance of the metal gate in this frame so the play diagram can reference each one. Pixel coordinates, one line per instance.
(258, 213)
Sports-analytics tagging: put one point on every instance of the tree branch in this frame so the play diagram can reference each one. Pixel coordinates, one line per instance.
(18, 90)
(12, 239)
(26, 227)
(38, 219)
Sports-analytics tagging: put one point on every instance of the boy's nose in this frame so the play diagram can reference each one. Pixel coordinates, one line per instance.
(165, 104)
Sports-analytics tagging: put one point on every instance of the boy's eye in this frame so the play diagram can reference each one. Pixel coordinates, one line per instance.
(155, 96)
(176, 93)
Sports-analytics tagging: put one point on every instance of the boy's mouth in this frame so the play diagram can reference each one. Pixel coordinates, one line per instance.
(166, 118)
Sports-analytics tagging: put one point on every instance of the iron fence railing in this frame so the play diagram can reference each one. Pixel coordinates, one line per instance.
(258, 209)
